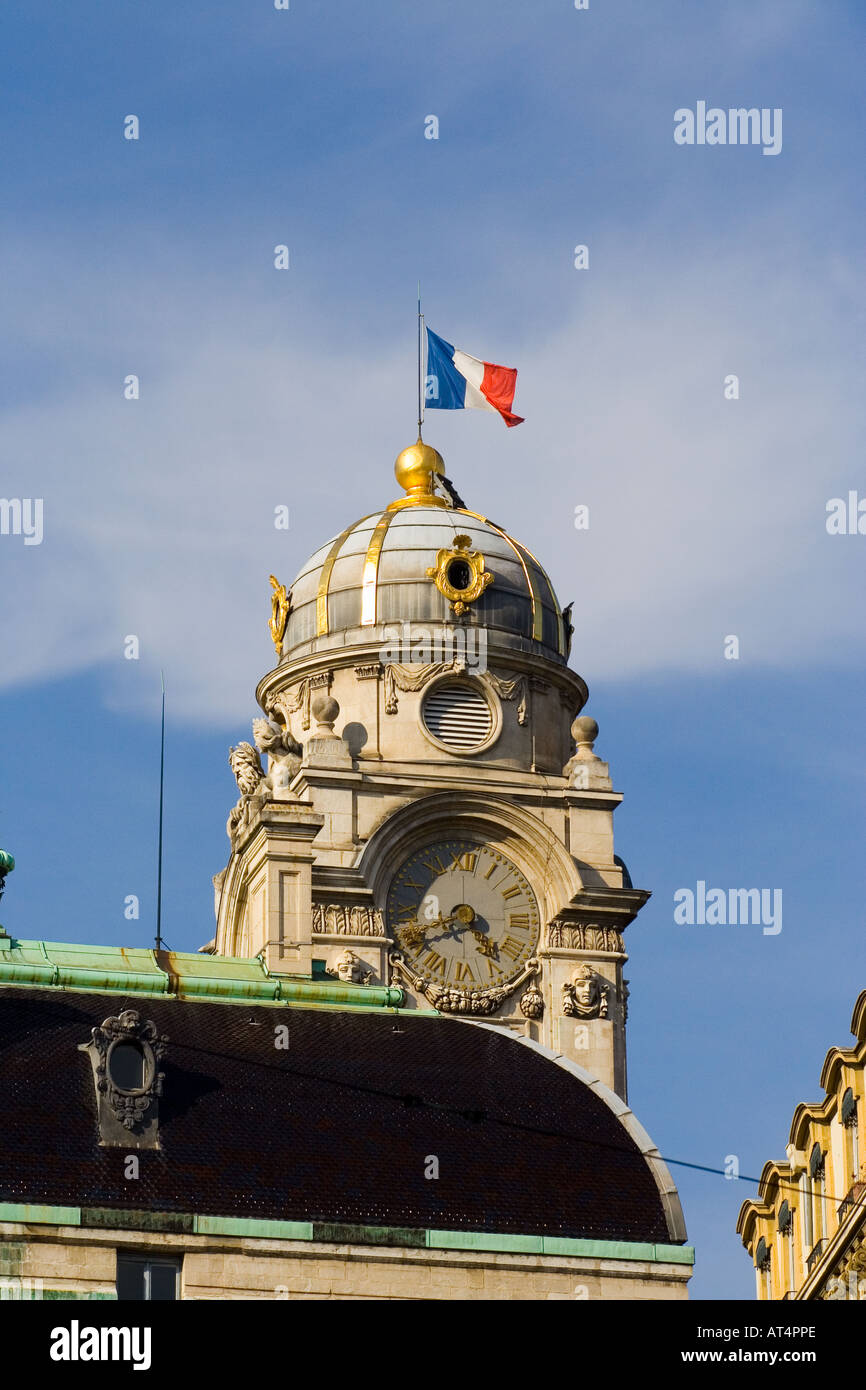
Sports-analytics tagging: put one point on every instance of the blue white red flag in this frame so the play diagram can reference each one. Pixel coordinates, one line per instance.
(455, 381)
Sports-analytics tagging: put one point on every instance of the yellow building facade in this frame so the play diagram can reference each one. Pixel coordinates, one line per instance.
(805, 1233)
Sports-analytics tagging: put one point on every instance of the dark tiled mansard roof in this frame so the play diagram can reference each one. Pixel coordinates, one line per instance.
(337, 1128)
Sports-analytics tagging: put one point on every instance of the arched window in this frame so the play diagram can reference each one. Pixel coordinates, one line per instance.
(816, 1172)
(762, 1268)
(848, 1115)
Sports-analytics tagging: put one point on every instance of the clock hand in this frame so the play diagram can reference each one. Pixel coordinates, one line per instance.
(486, 947)
(464, 915)
(413, 934)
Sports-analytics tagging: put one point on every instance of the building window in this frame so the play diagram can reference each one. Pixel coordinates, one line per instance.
(848, 1111)
(807, 1229)
(816, 1172)
(127, 1066)
(143, 1279)
(786, 1232)
(762, 1269)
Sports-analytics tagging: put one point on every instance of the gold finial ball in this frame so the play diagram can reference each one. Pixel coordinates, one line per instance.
(415, 467)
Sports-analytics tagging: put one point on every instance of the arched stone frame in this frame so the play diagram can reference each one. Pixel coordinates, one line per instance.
(670, 1199)
(232, 926)
(508, 827)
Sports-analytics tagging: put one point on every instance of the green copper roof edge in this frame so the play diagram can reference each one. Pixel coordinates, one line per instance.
(562, 1245)
(38, 1215)
(268, 989)
(245, 1226)
(481, 1241)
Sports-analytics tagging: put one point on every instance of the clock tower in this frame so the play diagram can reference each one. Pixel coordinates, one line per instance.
(422, 807)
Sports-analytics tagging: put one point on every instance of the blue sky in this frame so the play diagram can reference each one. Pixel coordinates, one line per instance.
(261, 387)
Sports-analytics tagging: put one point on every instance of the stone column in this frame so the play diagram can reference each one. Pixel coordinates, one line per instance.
(267, 902)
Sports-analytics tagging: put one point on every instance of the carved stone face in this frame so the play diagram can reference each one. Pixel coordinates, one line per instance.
(585, 987)
(348, 967)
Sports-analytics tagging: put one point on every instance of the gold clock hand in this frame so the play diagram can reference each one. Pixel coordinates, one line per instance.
(486, 947)
(413, 934)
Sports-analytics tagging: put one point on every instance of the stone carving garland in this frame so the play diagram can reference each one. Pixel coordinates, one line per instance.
(288, 703)
(510, 690)
(532, 1002)
(450, 1000)
(409, 678)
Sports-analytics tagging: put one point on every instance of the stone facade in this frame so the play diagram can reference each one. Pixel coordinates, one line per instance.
(43, 1261)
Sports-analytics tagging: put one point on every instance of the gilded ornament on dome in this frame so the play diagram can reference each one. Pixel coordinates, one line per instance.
(459, 574)
(281, 607)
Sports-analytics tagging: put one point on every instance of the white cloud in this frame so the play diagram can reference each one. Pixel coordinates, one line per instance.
(707, 516)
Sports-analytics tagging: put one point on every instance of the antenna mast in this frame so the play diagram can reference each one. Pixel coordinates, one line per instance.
(161, 792)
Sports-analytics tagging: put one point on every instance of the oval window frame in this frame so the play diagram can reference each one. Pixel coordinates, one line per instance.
(148, 1069)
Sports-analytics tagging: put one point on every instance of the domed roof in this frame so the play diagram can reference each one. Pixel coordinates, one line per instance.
(377, 572)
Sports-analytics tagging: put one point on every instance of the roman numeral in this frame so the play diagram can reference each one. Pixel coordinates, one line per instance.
(464, 862)
(513, 892)
(436, 867)
(519, 921)
(510, 947)
(462, 971)
(492, 870)
(436, 964)
(405, 909)
(410, 883)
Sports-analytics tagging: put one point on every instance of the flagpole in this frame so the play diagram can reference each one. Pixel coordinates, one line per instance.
(420, 396)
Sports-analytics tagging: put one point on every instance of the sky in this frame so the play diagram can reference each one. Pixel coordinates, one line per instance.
(262, 388)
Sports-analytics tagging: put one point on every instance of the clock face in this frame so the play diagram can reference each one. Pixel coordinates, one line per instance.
(463, 915)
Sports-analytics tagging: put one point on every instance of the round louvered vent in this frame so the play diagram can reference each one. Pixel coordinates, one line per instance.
(458, 715)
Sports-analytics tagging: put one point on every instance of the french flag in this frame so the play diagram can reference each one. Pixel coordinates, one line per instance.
(455, 381)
